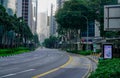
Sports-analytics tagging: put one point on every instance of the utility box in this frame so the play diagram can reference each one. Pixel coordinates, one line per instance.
(112, 18)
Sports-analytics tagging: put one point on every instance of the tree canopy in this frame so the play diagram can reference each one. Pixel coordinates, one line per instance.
(12, 24)
(71, 16)
(50, 42)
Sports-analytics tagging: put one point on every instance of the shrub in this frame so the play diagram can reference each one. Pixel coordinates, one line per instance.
(85, 52)
(80, 52)
(107, 69)
(98, 51)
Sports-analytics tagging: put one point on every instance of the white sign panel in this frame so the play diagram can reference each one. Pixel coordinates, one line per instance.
(112, 17)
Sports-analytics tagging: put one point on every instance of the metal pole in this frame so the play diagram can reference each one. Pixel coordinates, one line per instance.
(87, 31)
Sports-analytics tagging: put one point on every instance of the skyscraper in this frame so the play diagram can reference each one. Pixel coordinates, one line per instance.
(53, 23)
(43, 29)
(32, 16)
(28, 10)
(22, 9)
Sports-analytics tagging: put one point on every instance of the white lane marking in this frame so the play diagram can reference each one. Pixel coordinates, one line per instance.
(24, 71)
(7, 75)
(16, 73)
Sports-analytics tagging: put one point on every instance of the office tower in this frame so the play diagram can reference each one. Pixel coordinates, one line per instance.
(53, 23)
(43, 29)
(28, 10)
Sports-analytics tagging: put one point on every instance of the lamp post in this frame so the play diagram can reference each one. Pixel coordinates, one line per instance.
(87, 31)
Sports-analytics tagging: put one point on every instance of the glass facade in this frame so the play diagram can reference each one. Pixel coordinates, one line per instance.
(91, 30)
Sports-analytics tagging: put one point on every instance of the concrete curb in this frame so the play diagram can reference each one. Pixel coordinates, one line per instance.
(93, 58)
(89, 72)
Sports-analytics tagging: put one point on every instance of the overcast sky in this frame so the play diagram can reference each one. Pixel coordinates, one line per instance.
(44, 5)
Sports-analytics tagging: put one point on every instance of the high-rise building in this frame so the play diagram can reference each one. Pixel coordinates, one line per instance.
(53, 26)
(28, 10)
(10, 6)
(32, 16)
(53, 23)
(23, 9)
(43, 28)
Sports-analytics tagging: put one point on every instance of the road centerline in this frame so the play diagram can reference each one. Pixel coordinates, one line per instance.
(55, 69)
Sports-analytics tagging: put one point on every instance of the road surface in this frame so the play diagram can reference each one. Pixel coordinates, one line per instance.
(45, 63)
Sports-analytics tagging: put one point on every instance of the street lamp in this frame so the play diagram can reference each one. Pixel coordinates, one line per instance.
(87, 30)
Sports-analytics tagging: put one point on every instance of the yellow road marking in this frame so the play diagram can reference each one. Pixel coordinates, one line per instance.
(53, 70)
(87, 73)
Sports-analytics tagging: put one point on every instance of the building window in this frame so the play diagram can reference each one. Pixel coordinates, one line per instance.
(91, 30)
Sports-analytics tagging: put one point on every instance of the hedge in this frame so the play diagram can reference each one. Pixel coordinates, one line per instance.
(107, 69)
(80, 52)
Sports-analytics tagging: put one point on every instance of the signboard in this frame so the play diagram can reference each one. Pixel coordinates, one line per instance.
(112, 17)
(107, 51)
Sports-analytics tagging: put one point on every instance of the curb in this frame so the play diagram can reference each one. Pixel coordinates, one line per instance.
(93, 59)
(90, 70)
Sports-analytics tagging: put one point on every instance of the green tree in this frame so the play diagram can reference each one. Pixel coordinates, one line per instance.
(73, 18)
(51, 42)
(13, 29)
(69, 17)
(36, 40)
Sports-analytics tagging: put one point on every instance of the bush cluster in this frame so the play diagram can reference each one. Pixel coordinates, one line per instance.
(80, 52)
(107, 69)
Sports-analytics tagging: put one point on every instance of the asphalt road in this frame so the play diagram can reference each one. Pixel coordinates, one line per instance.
(45, 63)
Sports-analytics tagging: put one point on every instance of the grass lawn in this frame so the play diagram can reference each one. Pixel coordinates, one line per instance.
(13, 51)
